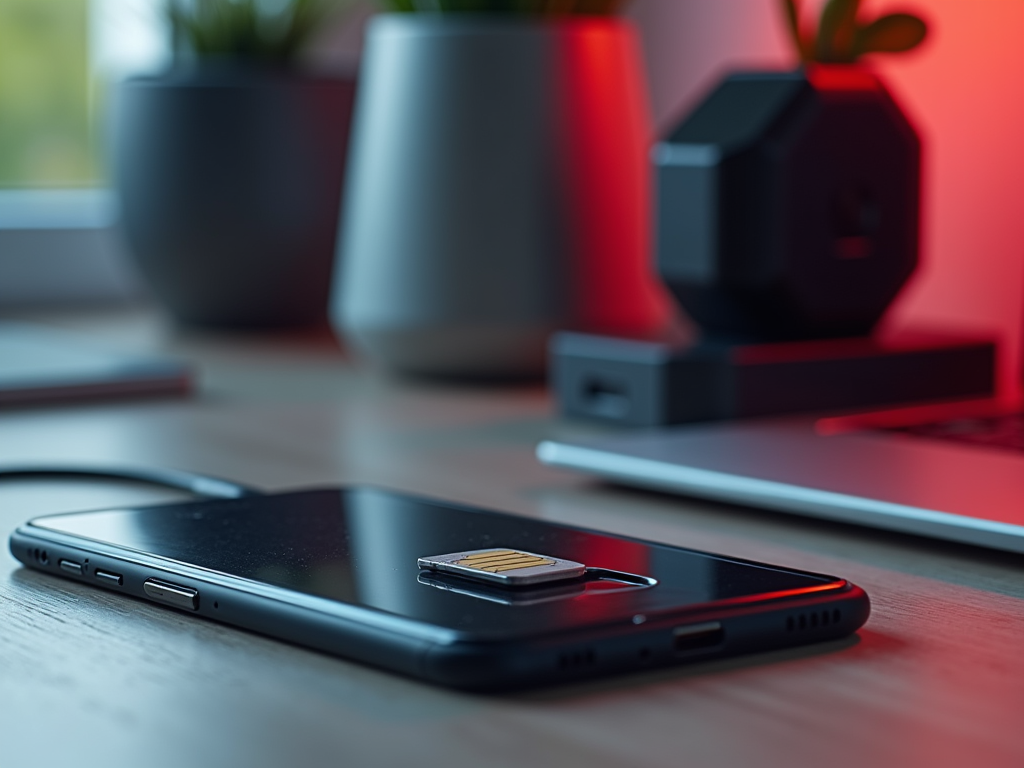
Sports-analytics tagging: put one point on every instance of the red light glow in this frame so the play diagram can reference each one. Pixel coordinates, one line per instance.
(606, 120)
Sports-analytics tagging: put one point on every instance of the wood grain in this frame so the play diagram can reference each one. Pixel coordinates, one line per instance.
(935, 678)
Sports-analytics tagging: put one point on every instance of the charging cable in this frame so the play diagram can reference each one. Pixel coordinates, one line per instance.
(201, 485)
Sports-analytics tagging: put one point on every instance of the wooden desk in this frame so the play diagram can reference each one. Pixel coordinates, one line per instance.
(936, 677)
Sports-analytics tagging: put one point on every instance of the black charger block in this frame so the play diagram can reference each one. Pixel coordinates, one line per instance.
(646, 383)
(787, 205)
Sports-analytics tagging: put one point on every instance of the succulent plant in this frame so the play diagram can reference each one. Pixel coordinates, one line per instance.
(843, 35)
(521, 7)
(270, 31)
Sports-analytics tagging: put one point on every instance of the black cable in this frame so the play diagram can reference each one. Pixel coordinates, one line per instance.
(201, 485)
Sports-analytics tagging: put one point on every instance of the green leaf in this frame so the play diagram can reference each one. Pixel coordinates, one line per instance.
(792, 13)
(894, 33)
(837, 30)
(248, 28)
(597, 7)
(519, 7)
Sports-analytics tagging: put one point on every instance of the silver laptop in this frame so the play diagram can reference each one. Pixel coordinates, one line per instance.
(951, 472)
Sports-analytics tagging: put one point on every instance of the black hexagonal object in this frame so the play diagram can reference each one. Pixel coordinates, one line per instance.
(788, 205)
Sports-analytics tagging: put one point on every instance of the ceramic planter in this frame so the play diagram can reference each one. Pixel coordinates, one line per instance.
(497, 191)
(230, 180)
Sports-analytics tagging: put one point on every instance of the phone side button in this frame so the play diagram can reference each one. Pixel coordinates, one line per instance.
(172, 594)
(113, 579)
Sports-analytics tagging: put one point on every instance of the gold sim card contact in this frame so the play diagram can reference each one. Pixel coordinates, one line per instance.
(511, 567)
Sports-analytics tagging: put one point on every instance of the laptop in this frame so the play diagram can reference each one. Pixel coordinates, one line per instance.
(953, 472)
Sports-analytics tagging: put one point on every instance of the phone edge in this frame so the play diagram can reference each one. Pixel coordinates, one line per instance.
(491, 666)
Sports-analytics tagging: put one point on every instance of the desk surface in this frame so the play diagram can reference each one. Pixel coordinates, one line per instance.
(935, 678)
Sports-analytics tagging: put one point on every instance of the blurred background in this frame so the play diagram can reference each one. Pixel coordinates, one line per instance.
(964, 89)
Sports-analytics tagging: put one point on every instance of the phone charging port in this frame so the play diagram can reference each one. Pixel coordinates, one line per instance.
(605, 397)
(697, 637)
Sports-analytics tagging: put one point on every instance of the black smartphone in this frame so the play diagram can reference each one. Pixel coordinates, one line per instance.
(450, 594)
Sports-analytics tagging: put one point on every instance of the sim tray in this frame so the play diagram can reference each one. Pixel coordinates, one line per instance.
(508, 567)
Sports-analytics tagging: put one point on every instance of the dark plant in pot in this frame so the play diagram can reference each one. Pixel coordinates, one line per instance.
(788, 202)
(230, 166)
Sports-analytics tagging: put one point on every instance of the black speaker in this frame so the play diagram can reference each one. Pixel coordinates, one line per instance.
(788, 205)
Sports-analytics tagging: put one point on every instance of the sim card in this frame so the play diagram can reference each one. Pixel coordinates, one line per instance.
(510, 567)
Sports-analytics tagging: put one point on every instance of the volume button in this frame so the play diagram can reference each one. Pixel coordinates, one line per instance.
(70, 567)
(107, 577)
(172, 594)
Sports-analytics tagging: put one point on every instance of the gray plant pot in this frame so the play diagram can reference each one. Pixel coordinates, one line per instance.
(497, 191)
(230, 180)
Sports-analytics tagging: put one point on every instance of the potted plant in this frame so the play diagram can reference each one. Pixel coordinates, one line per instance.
(843, 34)
(498, 185)
(788, 202)
(230, 166)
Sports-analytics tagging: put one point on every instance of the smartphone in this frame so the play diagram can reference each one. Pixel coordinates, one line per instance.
(462, 597)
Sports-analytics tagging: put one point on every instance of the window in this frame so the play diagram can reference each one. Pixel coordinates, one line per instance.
(58, 61)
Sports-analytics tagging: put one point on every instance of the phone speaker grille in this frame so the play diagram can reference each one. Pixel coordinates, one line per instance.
(580, 659)
(801, 622)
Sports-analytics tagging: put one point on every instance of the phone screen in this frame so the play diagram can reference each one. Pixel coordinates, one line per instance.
(361, 546)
